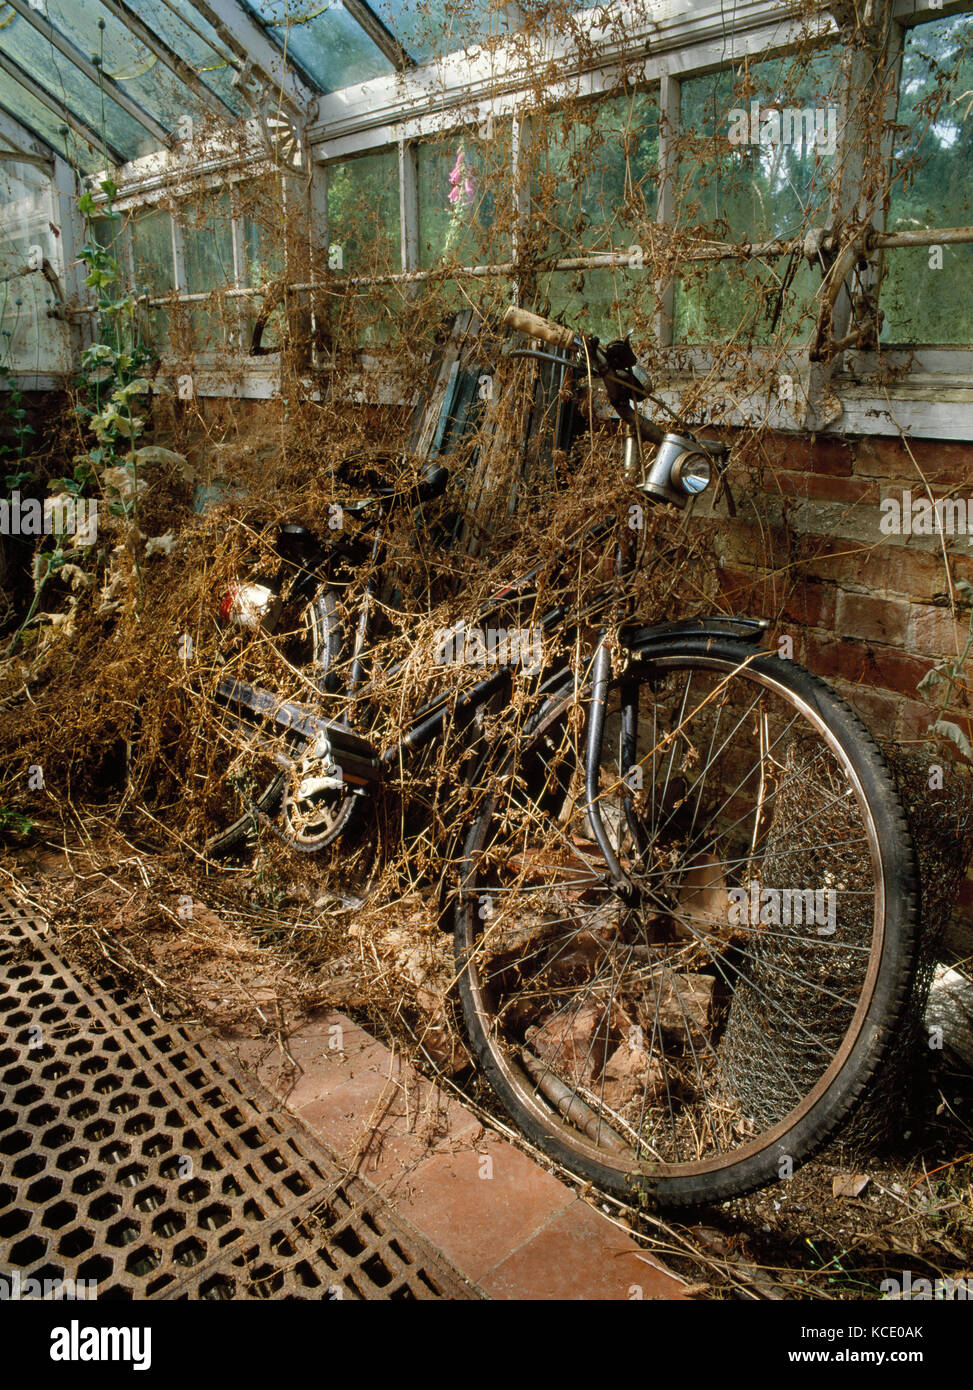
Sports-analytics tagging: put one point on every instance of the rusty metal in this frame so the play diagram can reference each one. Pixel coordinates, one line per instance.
(135, 1152)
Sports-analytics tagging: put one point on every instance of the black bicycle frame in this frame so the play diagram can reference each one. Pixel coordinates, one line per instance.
(429, 721)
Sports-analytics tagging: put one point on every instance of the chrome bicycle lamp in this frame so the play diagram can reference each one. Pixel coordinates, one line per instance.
(677, 472)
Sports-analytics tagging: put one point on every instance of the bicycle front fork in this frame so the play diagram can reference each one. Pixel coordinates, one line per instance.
(601, 676)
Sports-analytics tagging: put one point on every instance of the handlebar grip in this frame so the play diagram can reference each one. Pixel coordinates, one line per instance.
(536, 327)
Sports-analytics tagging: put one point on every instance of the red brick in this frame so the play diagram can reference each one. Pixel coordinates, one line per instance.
(826, 656)
(934, 631)
(942, 464)
(869, 567)
(478, 1220)
(876, 457)
(798, 455)
(878, 710)
(872, 619)
(896, 670)
(961, 567)
(829, 489)
(916, 718)
(748, 591)
(917, 574)
(831, 456)
(369, 1106)
(744, 542)
(763, 595)
(810, 605)
(858, 663)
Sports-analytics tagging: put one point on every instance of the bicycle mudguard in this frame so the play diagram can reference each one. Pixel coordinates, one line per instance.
(641, 639)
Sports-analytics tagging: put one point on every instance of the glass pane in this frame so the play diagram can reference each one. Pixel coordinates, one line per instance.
(30, 340)
(208, 243)
(264, 229)
(263, 223)
(144, 329)
(331, 47)
(593, 181)
(757, 148)
(363, 214)
(40, 119)
(465, 199)
(594, 175)
(207, 233)
(369, 318)
(63, 80)
(185, 31)
(927, 293)
(152, 252)
(152, 262)
(430, 28)
(608, 302)
(135, 68)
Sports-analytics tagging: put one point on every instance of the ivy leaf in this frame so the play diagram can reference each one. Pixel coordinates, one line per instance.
(86, 205)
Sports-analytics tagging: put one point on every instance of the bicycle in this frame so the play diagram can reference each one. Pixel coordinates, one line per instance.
(684, 915)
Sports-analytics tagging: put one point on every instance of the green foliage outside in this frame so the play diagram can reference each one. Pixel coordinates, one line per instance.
(923, 301)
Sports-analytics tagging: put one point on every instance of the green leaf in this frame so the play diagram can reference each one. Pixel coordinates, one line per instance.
(14, 823)
(86, 205)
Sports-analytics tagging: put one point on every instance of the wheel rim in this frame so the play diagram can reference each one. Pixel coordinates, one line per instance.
(695, 1106)
(251, 783)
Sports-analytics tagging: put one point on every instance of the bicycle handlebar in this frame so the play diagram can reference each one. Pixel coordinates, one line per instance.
(533, 326)
(623, 383)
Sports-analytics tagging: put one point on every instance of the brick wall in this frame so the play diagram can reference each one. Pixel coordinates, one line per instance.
(867, 610)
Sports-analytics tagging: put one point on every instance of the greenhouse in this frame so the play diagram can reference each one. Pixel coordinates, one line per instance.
(486, 613)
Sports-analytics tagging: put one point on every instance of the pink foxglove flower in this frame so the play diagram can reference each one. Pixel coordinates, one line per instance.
(461, 187)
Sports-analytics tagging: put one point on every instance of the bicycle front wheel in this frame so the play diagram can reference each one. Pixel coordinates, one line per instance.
(704, 1031)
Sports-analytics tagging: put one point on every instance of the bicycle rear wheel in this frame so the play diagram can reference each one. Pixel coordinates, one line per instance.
(708, 1032)
(249, 787)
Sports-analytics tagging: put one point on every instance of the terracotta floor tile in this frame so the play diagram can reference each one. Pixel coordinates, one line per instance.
(476, 1220)
(386, 1127)
(518, 1233)
(579, 1255)
(317, 1065)
(362, 1101)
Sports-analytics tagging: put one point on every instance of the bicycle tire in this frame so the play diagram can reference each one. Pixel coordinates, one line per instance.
(549, 1117)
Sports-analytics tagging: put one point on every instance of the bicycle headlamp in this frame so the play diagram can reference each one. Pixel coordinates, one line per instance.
(677, 472)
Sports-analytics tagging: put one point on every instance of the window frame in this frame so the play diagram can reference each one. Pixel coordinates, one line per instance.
(689, 40)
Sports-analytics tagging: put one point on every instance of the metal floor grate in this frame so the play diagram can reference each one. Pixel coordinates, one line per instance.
(135, 1153)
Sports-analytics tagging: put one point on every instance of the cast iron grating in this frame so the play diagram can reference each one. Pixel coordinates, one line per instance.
(135, 1153)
